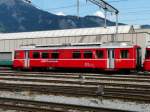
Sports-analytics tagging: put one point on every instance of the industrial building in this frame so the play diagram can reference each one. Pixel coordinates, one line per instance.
(11, 41)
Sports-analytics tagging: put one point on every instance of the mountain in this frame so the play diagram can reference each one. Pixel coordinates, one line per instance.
(145, 26)
(20, 16)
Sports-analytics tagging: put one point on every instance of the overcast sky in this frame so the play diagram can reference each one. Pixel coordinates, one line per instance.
(131, 11)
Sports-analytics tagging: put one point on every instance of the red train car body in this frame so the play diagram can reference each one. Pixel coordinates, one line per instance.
(108, 56)
(146, 64)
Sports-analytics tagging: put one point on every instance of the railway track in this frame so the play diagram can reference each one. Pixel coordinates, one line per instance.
(39, 106)
(105, 78)
(79, 90)
(129, 82)
(61, 79)
(137, 75)
(130, 87)
(122, 77)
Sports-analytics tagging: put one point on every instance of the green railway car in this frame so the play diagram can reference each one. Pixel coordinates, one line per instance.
(6, 59)
(6, 62)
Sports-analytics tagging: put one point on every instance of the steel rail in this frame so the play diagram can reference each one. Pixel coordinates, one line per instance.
(41, 106)
(80, 91)
(82, 82)
(124, 79)
(139, 75)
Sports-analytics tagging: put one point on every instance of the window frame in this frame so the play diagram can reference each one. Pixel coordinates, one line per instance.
(100, 56)
(16, 55)
(147, 54)
(86, 54)
(74, 53)
(124, 54)
(47, 55)
(33, 55)
(55, 52)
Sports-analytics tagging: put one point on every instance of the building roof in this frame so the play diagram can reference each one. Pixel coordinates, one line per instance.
(68, 32)
(142, 30)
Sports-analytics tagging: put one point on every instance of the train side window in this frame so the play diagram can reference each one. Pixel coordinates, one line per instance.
(76, 55)
(45, 55)
(17, 55)
(124, 54)
(100, 54)
(88, 54)
(148, 54)
(55, 55)
(36, 55)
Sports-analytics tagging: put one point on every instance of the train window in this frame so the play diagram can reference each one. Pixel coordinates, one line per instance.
(99, 54)
(88, 54)
(55, 55)
(148, 54)
(45, 55)
(36, 55)
(76, 54)
(124, 54)
(17, 55)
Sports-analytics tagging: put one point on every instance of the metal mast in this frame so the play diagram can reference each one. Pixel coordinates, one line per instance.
(107, 8)
(78, 8)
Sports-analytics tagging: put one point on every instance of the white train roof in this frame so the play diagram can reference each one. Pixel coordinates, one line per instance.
(80, 46)
(118, 44)
(68, 32)
(61, 46)
(148, 46)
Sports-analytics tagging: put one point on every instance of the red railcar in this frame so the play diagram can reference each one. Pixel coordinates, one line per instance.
(146, 64)
(107, 56)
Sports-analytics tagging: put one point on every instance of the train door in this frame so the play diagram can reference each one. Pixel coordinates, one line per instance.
(111, 60)
(26, 63)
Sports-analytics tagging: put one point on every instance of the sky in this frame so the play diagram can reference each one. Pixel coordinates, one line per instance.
(133, 12)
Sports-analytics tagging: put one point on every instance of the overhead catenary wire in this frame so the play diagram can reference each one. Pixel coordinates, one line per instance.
(126, 11)
(84, 5)
(146, 11)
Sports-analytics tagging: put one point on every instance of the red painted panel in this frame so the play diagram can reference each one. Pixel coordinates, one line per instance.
(146, 65)
(18, 59)
(19, 54)
(125, 63)
(82, 63)
(18, 63)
